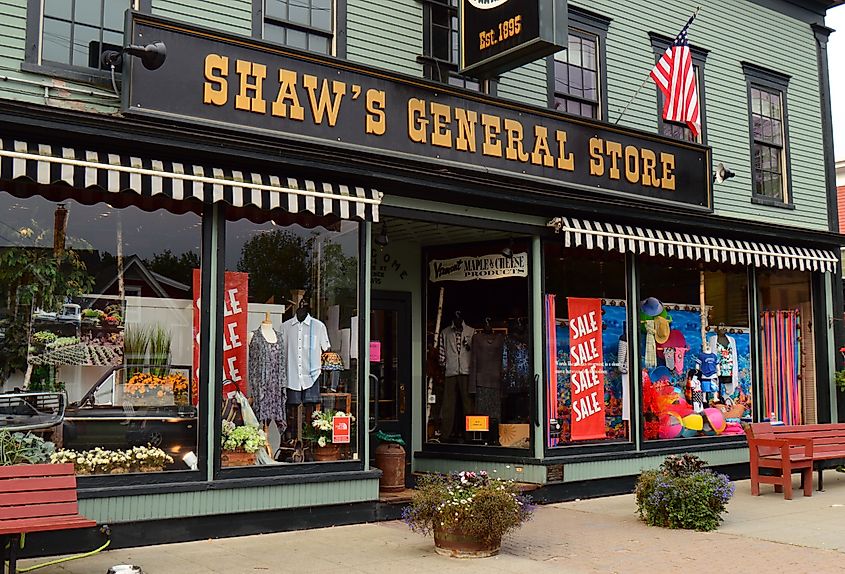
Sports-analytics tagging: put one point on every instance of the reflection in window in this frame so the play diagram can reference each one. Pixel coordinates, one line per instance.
(304, 24)
(97, 302)
(586, 291)
(767, 130)
(298, 289)
(577, 89)
(478, 346)
(77, 33)
(694, 350)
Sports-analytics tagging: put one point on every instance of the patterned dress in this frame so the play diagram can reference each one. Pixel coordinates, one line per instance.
(515, 366)
(267, 378)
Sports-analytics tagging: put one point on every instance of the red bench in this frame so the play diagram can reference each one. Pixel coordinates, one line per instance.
(36, 498)
(790, 448)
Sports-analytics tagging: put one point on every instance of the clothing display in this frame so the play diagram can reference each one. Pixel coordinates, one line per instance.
(267, 377)
(305, 342)
(669, 355)
(680, 354)
(486, 350)
(454, 349)
(454, 385)
(310, 395)
(650, 345)
(516, 368)
(728, 363)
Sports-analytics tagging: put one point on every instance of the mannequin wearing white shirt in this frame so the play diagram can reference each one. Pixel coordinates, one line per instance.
(306, 339)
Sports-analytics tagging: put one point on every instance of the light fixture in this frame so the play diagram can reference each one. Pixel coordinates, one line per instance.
(152, 55)
(722, 173)
(382, 239)
(508, 250)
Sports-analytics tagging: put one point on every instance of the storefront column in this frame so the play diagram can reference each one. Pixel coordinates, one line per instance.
(365, 246)
(633, 291)
(212, 314)
(538, 406)
(755, 346)
(826, 383)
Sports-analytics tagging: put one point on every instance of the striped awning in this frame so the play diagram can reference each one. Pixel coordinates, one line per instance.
(85, 168)
(644, 241)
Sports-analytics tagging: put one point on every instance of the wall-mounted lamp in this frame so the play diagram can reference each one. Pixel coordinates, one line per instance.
(722, 173)
(382, 239)
(152, 55)
(507, 251)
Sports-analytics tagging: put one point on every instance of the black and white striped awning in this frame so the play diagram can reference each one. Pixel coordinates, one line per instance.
(84, 168)
(654, 242)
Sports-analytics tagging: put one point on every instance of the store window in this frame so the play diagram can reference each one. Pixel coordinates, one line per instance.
(441, 44)
(303, 24)
(479, 371)
(695, 351)
(291, 342)
(680, 130)
(788, 346)
(769, 134)
(76, 33)
(96, 303)
(588, 378)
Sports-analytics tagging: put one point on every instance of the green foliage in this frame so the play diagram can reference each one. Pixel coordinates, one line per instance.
(136, 341)
(23, 448)
(242, 438)
(840, 380)
(682, 493)
(179, 268)
(277, 262)
(160, 351)
(479, 506)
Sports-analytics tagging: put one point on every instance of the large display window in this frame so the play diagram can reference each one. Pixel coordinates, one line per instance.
(96, 310)
(290, 393)
(478, 371)
(695, 354)
(588, 377)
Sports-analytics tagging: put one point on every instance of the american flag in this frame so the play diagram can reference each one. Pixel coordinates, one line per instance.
(675, 76)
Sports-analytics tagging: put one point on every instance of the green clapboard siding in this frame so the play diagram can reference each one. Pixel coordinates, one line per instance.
(535, 474)
(526, 84)
(227, 501)
(573, 472)
(225, 15)
(385, 33)
(724, 27)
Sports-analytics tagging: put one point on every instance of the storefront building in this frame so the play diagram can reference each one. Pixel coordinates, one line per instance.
(247, 232)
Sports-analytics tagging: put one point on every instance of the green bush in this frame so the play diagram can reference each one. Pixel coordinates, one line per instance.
(23, 448)
(682, 493)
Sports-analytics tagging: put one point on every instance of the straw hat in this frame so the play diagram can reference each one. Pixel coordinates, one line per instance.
(661, 329)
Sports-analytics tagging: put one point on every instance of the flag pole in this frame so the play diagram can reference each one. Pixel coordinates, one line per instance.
(637, 93)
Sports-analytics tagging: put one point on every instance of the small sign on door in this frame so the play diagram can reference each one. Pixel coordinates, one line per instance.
(375, 351)
(341, 429)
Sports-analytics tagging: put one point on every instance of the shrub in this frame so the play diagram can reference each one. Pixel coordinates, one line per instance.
(23, 448)
(479, 506)
(682, 493)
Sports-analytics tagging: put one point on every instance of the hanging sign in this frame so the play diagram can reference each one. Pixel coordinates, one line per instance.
(586, 369)
(235, 302)
(500, 35)
(495, 266)
(341, 429)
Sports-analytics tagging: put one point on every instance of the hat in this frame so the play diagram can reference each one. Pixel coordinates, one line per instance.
(661, 330)
(675, 340)
(660, 373)
(651, 306)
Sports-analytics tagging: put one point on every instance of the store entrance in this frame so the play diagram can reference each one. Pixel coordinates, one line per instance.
(390, 370)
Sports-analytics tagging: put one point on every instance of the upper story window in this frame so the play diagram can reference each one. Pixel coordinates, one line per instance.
(578, 76)
(441, 44)
(680, 130)
(76, 32)
(769, 135)
(303, 24)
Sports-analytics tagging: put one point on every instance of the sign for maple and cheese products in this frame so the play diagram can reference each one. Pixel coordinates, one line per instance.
(272, 91)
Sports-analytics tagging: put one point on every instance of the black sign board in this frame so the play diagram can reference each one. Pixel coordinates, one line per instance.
(500, 35)
(272, 91)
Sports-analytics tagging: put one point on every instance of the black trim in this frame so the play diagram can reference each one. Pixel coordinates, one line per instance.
(596, 25)
(340, 29)
(755, 338)
(822, 34)
(819, 326)
(659, 44)
(145, 487)
(217, 306)
(364, 310)
(768, 79)
(809, 11)
(257, 18)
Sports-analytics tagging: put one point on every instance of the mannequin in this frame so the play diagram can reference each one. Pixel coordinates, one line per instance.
(485, 375)
(268, 374)
(455, 358)
(306, 339)
(723, 346)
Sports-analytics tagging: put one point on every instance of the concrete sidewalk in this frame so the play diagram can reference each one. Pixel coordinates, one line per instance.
(589, 536)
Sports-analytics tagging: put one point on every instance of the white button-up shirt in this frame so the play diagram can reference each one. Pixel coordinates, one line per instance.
(306, 342)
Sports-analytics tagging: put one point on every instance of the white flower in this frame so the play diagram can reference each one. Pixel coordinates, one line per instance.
(322, 441)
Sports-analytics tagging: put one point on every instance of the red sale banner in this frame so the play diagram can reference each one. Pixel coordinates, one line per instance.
(587, 369)
(235, 302)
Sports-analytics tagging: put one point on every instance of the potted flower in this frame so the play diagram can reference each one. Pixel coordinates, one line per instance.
(682, 493)
(321, 432)
(468, 512)
(240, 443)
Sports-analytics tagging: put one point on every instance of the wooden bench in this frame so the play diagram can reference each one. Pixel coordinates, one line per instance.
(787, 448)
(36, 498)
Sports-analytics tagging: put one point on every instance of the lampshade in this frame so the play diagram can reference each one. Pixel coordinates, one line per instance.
(332, 361)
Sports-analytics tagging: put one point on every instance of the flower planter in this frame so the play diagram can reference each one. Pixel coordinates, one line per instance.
(231, 458)
(329, 452)
(449, 542)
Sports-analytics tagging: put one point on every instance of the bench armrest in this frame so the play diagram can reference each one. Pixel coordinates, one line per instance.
(783, 444)
(806, 442)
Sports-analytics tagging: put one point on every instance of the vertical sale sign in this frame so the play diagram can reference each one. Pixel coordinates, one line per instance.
(587, 369)
(235, 302)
